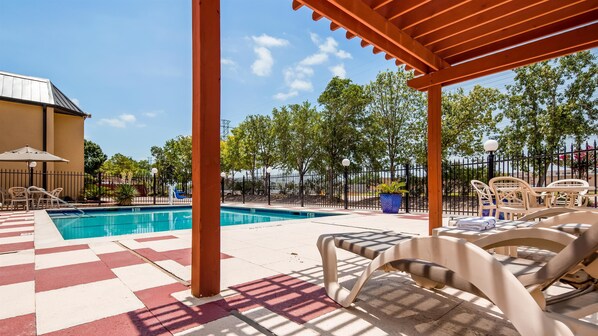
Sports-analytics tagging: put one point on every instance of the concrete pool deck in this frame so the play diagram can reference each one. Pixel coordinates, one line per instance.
(271, 284)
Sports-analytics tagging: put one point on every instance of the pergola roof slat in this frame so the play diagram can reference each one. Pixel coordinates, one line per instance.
(449, 18)
(554, 46)
(471, 22)
(503, 31)
(395, 9)
(530, 35)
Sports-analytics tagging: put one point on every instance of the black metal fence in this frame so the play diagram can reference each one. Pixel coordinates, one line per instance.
(327, 190)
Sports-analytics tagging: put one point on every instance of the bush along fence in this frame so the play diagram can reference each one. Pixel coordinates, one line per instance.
(354, 190)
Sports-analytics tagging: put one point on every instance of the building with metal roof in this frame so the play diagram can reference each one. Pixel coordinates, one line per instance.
(34, 112)
(36, 91)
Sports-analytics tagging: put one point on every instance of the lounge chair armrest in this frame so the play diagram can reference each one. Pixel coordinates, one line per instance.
(542, 238)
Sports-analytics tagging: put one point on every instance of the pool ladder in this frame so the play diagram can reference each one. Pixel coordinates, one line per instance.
(81, 212)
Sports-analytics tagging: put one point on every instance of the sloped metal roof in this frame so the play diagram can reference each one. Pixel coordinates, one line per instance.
(36, 91)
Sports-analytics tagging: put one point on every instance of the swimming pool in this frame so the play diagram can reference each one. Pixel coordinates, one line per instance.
(132, 220)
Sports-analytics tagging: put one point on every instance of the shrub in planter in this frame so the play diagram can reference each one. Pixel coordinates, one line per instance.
(391, 196)
(124, 194)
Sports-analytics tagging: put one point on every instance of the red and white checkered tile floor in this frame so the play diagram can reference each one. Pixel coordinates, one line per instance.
(270, 275)
(110, 288)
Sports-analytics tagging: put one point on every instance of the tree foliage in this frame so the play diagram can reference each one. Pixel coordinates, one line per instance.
(94, 157)
(395, 119)
(467, 118)
(343, 118)
(173, 160)
(297, 128)
(549, 102)
(125, 166)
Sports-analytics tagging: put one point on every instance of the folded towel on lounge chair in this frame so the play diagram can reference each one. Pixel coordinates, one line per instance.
(476, 223)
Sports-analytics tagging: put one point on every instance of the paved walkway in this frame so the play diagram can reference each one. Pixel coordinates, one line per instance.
(271, 284)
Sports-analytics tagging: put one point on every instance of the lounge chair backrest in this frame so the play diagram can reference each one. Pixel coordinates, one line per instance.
(484, 192)
(582, 248)
(560, 199)
(576, 217)
(18, 193)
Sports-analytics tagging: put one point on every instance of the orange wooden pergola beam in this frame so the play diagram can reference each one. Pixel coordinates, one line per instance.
(554, 46)
(435, 157)
(205, 231)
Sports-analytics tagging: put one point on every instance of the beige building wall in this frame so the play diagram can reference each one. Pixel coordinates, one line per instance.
(20, 125)
(68, 142)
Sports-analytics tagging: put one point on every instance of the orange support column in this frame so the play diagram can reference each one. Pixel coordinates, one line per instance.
(435, 156)
(205, 243)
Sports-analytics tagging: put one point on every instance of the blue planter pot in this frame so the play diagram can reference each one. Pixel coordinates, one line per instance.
(391, 203)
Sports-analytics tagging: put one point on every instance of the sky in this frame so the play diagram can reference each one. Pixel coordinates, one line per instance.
(128, 63)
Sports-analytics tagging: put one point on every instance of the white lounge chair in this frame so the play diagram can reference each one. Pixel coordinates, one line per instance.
(434, 262)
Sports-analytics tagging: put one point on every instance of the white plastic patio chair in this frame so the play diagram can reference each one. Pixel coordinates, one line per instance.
(485, 198)
(19, 195)
(4, 199)
(49, 199)
(514, 197)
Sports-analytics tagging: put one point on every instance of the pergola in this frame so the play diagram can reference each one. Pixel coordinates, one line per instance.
(443, 41)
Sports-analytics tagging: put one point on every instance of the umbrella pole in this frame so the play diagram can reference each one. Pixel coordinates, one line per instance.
(31, 176)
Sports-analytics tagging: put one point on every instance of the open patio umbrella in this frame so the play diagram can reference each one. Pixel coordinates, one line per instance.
(29, 155)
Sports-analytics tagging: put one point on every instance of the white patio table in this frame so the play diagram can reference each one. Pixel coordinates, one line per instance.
(570, 192)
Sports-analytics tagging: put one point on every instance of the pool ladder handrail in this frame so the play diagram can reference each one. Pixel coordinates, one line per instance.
(60, 200)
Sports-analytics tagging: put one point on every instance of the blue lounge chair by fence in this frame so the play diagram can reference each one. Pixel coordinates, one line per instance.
(179, 194)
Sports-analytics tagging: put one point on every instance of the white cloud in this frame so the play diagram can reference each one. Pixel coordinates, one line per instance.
(314, 59)
(151, 114)
(314, 38)
(330, 46)
(120, 122)
(338, 70)
(284, 96)
(228, 62)
(301, 85)
(343, 54)
(298, 77)
(127, 117)
(264, 62)
(262, 66)
(269, 41)
(76, 101)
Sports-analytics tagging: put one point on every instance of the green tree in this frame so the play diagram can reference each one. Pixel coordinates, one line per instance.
(550, 102)
(125, 166)
(257, 142)
(467, 119)
(232, 156)
(173, 160)
(94, 157)
(297, 128)
(396, 115)
(343, 116)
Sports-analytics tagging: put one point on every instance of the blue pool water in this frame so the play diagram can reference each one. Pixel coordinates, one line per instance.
(132, 220)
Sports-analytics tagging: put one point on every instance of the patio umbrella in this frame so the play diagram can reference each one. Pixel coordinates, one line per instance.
(29, 155)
